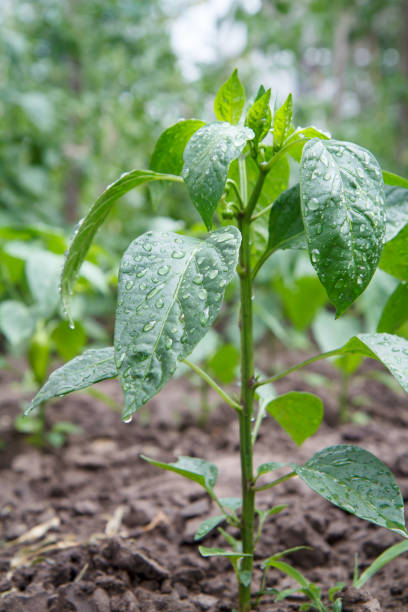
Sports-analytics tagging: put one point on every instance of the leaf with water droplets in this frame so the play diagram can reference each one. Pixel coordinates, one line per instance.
(207, 158)
(282, 121)
(81, 372)
(342, 202)
(395, 311)
(200, 471)
(168, 153)
(162, 317)
(87, 227)
(298, 413)
(230, 100)
(356, 481)
(259, 116)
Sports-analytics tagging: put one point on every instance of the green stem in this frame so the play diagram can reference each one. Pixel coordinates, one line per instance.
(297, 367)
(227, 399)
(265, 167)
(262, 212)
(243, 182)
(255, 195)
(275, 482)
(237, 192)
(344, 393)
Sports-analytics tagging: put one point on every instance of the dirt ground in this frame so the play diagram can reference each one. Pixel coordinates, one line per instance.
(91, 527)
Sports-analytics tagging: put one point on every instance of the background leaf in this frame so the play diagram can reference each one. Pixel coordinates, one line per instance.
(298, 413)
(207, 157)
(395, 311)
(396, 211)
(230, 100)
(356, 481)
(89, 225)
(85, 370)
(170, 291)
(16, 322)
(342, 204)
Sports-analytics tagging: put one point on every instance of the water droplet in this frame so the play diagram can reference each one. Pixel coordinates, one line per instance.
(202, 293)
(129, 284)
(163, 270)
(143, 286)
(204, 316)
(213, 274)
(148, 326)
(198, 279)
(182, 317)
(313, 204)
(147, 247)
(178, 254)
(159, 303)
(154, 292)
(141, 273)
(168, 343)
(128, 420)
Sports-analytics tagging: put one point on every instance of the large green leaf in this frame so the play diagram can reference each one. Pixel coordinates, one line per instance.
(170, 291)
(168, 153)
(230, 100)
(200, 471)
(356, 481)
(207, 158)
(85, 370)
(298, 413)
(89, 225)
(282, 121)
(259, 116)
(396, 200)
(342, 200)
(395, 311)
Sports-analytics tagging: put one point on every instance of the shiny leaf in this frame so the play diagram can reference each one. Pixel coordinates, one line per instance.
(89, 225)
(170, 291)
(298, 413)
(342, 200)
(207, 158)
(85, 370)
(230, 100)
(200, 471)
(282, 121)
(259, 116)
(356, 481)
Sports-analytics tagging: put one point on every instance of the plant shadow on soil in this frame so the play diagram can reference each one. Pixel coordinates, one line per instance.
(114, 534)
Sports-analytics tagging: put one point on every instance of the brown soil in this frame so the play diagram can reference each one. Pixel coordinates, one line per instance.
(114, 534)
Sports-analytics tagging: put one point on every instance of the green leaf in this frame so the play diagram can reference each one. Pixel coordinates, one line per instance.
(16, 322)
(224, 363)
(342, 200)
(221, 552)
(259, 117)
(90, 367)
(283, 553)
(230, 100)
(289, 571)
(87, 227)
(170, 291)
(396, 211)
(168, 153)
(265, 468)
(42, 271)
(245, 577)
(386, 557)
(200, 471)
(394, 258)
(69, 342)
(395, 311)
(281, 122)
(300, 136)
(286, 229)
(393, 179)
(356, 481)
(207, 158)
(231, 503)
(298, 413)
(208, 526)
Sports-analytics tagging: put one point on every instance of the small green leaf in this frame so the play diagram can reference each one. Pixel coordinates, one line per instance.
(16, 322)
(396, 211)
(221, 552)
(395, 311)
(298, 413)
(231, 503)
(200, 471)
(90, 367)
(168, 153)
(286, 229)
(386, 557)
(207, 158)
(283, 553)
(356, 481)
(208, 526)
(342, 201)
(282, 121)
(170, 292)
(259, 116)
(335, 589)
(230, 100)
(393, 179)
(288, 570)
(89, 225)
(265, 468)
(394, 258)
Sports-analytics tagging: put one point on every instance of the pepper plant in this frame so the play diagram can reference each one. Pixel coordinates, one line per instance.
(171, 288)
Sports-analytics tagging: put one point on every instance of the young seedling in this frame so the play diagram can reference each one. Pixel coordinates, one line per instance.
(171, 288)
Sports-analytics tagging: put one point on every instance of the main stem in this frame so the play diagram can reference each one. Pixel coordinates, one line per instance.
(247, 397)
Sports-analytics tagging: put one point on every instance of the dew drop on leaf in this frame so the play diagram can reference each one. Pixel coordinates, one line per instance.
(148, 326)
(178, 254)
(163, 270)
(204, 316)
(128, 420)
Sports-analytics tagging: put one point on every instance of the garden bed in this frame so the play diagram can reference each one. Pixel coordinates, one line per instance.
(115, 534)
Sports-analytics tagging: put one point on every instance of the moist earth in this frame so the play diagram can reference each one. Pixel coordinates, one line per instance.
(91, 527)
